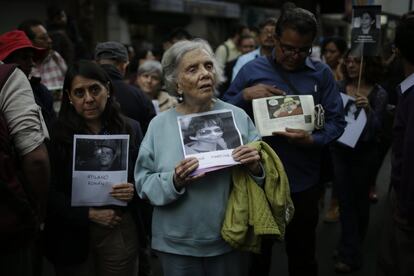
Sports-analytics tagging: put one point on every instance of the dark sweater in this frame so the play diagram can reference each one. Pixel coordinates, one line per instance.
(134, 103)
(402, 175)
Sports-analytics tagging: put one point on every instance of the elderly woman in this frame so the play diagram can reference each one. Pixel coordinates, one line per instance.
(149, 79)
(189, 209)
(90, 240)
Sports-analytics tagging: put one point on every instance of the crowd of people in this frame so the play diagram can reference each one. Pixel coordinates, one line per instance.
(200, 223)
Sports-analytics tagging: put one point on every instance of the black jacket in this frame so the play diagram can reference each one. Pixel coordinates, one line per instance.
(134, 103)
(65, 238)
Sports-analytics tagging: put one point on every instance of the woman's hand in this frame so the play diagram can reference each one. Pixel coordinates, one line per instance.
(183, 170)
(123, 191)
(249, 157)
(362, 101)
(105, 217)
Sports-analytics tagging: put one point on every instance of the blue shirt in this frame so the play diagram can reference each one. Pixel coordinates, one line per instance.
(302, 162)
(242, 60)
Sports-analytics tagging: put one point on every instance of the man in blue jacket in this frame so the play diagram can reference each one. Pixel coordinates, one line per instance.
(290, 71)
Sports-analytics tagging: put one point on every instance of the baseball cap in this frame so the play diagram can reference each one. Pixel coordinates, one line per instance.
(15, 40)
(111, 50)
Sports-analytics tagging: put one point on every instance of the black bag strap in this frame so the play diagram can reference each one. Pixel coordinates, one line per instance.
(283, 76)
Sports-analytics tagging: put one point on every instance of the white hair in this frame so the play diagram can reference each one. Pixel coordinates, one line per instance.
(173, 56)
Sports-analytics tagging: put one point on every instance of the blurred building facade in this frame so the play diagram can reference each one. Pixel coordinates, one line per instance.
(149, 21)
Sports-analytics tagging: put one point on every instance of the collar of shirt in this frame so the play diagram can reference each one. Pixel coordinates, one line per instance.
(308, 61)
(407, 83)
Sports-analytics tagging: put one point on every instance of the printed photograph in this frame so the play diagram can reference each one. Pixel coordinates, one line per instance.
(209, 132)
(101, 154)
(283, 107)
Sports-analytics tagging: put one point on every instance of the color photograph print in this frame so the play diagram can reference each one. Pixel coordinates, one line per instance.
(283, 107)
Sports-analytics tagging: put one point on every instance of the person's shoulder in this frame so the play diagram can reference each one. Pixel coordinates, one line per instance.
(160, 120)
(247, 57)
(255, 64)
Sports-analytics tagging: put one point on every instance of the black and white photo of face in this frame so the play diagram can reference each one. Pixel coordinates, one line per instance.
(209, 134)
(105, 156)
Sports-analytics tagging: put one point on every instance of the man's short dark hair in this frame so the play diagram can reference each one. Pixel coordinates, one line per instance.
(404, 36)
(26, 26)
(299, 20)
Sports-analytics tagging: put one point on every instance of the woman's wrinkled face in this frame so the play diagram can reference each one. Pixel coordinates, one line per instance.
(196, 77)
(150, 83)
(332, 55)
(88, 97)
(209, 134)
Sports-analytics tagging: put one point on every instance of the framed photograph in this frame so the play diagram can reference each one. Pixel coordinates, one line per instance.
(366, 30)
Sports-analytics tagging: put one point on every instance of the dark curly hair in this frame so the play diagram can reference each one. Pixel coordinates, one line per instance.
(198, 123)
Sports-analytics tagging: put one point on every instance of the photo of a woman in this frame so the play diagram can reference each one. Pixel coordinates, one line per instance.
(206, 134)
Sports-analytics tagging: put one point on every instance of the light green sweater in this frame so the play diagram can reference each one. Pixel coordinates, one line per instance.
(186, 222)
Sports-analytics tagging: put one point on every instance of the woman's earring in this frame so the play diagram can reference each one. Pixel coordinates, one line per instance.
(180, 97)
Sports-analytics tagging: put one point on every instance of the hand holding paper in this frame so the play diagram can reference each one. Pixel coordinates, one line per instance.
(361, 101)
(299, 136)
(123, 191)
(261, 91)
(182, 173)
(249, 157)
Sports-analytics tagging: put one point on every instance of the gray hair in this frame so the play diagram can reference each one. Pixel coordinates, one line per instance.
(173, 56)
(150, 66)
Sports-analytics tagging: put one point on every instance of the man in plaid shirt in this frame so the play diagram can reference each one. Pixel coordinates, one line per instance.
(52, 68)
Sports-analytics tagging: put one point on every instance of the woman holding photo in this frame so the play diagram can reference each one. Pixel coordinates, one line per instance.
(90, 240)
(355, 168)
(189, 209)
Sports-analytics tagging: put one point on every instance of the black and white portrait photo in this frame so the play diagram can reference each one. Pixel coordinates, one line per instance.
(366, 30)
(99, 162)
(351, 111)
(356, 120)
(209, 132)
(101, 154)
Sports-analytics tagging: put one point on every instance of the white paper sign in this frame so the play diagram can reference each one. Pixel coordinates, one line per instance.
(356, 119)
(210, 137)
(279, 112)
(99, 162)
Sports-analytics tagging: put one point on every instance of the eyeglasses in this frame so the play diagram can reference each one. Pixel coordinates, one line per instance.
(290, 51)
(203, 132)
